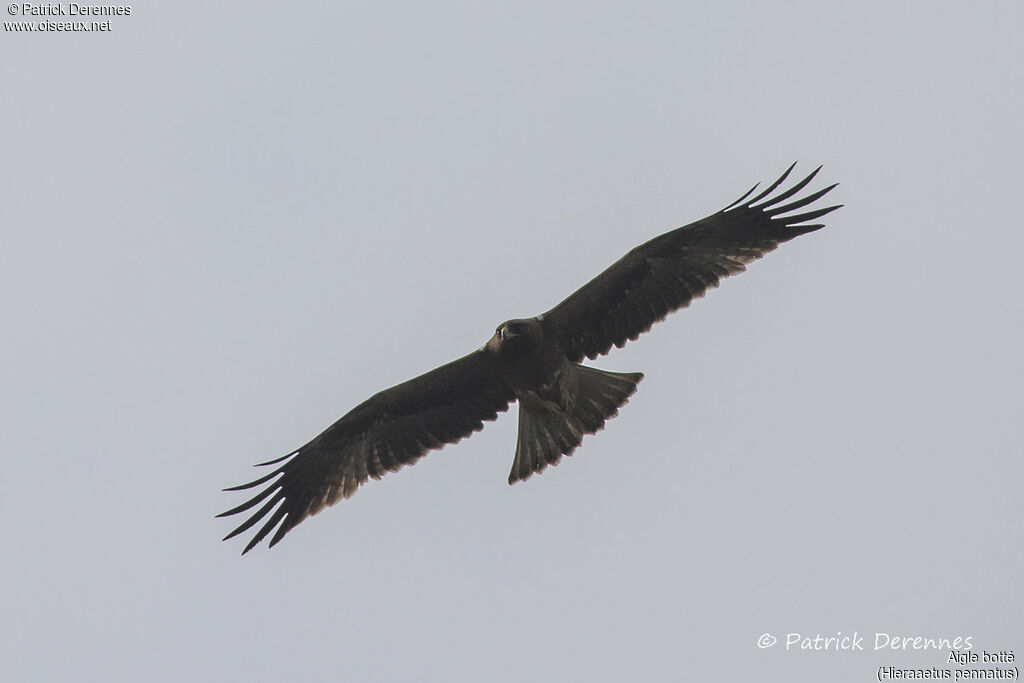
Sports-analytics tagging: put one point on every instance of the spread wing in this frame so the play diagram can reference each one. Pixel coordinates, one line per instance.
(396, 427)
(669, 271)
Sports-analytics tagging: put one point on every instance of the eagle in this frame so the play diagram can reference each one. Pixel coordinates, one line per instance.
(535, 361)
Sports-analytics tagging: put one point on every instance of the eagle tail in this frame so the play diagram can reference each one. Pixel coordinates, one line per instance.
(544, 438)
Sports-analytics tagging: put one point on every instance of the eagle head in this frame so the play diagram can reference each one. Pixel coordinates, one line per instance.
(520, 338)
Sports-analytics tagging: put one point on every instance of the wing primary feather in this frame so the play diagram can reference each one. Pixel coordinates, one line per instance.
(266, 528)
(275, 460)
(771, 188)
(800, 203)
(287, 526)
(252, 502)
(257, 516)
(261, 480)
(788, 193)
(809, 216)
(745, 195)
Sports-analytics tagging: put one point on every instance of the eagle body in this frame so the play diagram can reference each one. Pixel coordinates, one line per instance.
(533, 365)
(559, 401)
(536, 362)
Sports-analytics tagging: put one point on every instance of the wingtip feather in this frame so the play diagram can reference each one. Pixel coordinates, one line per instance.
(771, 188)
(275, 460)
(744, 196)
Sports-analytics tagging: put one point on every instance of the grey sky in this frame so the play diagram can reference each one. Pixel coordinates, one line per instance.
(223, 227)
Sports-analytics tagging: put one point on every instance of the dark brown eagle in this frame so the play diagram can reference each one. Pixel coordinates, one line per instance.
(535, 361)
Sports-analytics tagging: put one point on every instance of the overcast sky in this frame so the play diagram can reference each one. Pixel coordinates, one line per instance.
(225, 225)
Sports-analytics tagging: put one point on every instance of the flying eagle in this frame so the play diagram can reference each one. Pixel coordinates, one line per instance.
(536, 361)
